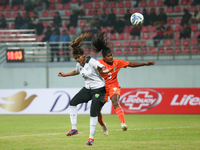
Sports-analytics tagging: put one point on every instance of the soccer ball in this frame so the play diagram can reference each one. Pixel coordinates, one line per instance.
(137, 19)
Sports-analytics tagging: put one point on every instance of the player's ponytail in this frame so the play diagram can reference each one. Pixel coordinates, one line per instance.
(76, 45)
(99, 43)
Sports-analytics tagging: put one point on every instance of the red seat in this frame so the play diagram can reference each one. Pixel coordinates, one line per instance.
(31, 13)
(82, 23)
(151, 4)
(186, 49)
(178, 28)
(121, 12)
(120, 5)
(125, 44)
(21, 7)
(52, 7)
(145, 36)
(86, 51)
(193, 8)
(8, 15)
(186, 42)
(67, 13)
(113, 5)
(128, 5)
(134, 44)
(177, 9)
(134, 51)
(177, 35)
(127, 29)
(193, 42)
(72, 30)
(178, 20)
(74, 1)
(142, 43)
(52, 1)
(194, 27)
(120, 36)
(52, 14)
(152, 50)
(8, 8)
(143, 50)
(186, 7)
(15, 14)
(144, 29)
(59, 1)
(167, 43)
(97, 6)
(60, 7)
(143, 4)
(127, 51)
(44, 24)
(128, 36)
(161, 50)
(177, 42)
(153, 35)
(152, 29)
(1, 8)
(90, 12)
(118, 51)
(67, 7)
(169, 10)
(16, 8)
(112, 36)
(195, 49)
(45, 14)
(171, 21)
(159, 3)
(169, 50)
(136, 10)
(184, 2)
(195, 35)
(178, 50)
(104, 29)
(90, 6)
(105, 5)
(12, 25)
(66, 23)
(118, 44)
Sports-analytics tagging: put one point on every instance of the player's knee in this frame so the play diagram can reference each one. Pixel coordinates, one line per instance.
(115, 104)
(72, 103)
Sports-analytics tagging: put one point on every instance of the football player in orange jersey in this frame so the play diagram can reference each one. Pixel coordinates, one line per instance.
(99, 43)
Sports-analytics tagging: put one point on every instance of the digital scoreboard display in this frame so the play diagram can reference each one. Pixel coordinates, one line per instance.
(15, 55)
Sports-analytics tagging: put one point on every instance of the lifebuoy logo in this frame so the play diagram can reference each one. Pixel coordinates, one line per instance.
(140, 100)
(185, 100)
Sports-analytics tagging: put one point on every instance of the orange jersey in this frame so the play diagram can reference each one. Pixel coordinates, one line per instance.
(111, 78)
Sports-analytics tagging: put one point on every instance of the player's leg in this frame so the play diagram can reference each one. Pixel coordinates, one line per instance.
(118, 109)
(82, 96)
(97, 103)
(103, 124)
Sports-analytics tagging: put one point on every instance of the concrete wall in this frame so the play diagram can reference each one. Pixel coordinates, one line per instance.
(12, 77)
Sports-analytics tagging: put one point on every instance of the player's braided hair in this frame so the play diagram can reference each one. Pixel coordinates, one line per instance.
(76, 45)
(99, 43)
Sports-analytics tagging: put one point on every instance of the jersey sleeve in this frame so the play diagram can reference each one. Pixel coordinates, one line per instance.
(96, 63)
(77, 68)
(122, 63)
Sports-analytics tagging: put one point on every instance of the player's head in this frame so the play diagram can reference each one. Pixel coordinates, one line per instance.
(99, 43)
(77, 51)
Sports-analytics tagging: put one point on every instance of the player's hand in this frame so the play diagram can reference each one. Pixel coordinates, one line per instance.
(61, 74)
(148, 63)
(99, 69)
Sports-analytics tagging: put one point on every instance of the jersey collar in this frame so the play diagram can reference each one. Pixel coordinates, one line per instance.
(87, 61)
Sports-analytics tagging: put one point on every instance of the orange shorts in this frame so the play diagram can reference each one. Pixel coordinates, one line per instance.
(112, 91)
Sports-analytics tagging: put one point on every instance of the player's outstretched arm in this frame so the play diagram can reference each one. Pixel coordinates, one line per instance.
(103, 70)
(72, 73)
(137, 64)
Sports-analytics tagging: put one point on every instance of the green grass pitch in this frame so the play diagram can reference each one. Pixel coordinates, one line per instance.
(153, 132)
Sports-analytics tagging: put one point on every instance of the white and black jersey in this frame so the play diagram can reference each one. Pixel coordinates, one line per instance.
(89, 72)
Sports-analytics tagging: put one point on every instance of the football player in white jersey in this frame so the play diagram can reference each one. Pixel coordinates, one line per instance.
(94, 89)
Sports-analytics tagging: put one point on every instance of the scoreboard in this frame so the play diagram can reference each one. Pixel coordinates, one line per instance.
(15, 55)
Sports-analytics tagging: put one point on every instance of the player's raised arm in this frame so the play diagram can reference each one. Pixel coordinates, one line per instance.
(72, 73)
(137, 64)
(102, 70)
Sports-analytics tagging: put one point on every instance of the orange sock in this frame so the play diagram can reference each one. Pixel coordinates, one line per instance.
(120, 113)
(100, 120)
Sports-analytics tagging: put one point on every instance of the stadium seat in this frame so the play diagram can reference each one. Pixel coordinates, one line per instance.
(135, 51)
(177, 35)
(185, 42)
(177, 9)
(8, 15)
(169, 50)
(153, 35)
(194, 27)
(66, 23)
(15, 8)
(74, 1)
(86, 51)
(177, 42)
(128, 36)
(195, 49)
(195, 35)
(178, 49)
(52, 1)
(15, 14)
(120, 36)
(82, 23)
(121, 12)
(104, 29)
(171, 21)
(112, 36)
(52, 7)
(144, 29)
(72, 30)
(178, 28)
(143, 4)
(87, 29)
(90, 12)
(21, 8)
(169, 10)
(142, 43)
(12, 26)
(60, 7)
(186, 7)
(44, 24)
(127, 29)
(8, 8)
(136, 10)
(193, 42)
(97, 6)
(143, 50)
(186, 49)
(159, 3)
(120, 5)
(145, 35)
(125, 44)
(90, 6)
(111, 44)
(52, 14)
(97, 0)
(192, 8)
(67, 13)
(67, 7)
(151, 4)
(152, 50)
(128, 5)
(161, 50)
(167, 42)
(178, 20)
(152, 29)
(183, 2)
(118, 51)
(31, 13)
(134, 44)
(117, 44)
(126, 51)
(1, 8)
(105, 5)
(59, 1)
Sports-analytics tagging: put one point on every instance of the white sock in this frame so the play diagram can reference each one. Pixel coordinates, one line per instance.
(93, 124)
(73, 116)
